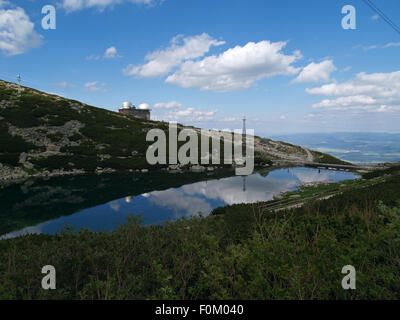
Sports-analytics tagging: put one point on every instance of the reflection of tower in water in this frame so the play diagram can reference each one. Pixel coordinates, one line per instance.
(244, 149)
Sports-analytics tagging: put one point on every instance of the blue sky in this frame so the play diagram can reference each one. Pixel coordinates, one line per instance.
(287, 65)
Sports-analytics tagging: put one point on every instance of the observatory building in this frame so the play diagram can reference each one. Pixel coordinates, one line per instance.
(143, 111)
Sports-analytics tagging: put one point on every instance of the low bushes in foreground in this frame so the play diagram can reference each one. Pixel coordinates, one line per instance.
(244, 253)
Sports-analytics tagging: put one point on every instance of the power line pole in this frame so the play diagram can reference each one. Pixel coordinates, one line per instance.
(244, 126)
(19, 84)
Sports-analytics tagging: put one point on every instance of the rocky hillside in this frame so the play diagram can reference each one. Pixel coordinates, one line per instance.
(44, 134)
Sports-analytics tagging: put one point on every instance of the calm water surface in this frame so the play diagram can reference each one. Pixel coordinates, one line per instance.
(99, 203)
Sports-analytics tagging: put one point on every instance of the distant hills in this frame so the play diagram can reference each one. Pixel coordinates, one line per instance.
(357, 147)
(44, 134)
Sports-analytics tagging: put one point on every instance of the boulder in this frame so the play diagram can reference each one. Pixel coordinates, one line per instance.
(197, 168)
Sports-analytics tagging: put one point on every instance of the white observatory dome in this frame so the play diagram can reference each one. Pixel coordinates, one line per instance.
(144, 106)
(126, 105)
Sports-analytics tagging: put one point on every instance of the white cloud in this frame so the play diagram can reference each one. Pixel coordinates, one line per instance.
(316, 72)
(74, 5)
(345, 102)
(369, 92)
(95, 86)
(375, 17)
(230, 119)
(384, 108)
(174, 111)
(17, 34)
(237, 68)
(372, 47)
(111, 52)
(282, 117)
(168, 105)
(190, 114)
(161, 62)
(375, 46)
(392, 44)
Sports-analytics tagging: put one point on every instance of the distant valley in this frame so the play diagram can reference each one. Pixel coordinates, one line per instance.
(355, 147)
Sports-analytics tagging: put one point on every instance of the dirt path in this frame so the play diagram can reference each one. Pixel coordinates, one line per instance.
(310, 157)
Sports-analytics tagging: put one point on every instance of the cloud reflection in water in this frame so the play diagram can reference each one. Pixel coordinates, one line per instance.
(187, 200)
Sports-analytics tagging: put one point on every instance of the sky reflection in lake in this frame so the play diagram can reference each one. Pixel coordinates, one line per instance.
(187, 200)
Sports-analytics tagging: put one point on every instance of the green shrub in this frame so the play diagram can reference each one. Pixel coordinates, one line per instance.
(11, 159)
(244, 253)
(12, 144)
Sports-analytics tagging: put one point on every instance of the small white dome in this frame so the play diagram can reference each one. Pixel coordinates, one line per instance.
(126, 105)
(144, 106)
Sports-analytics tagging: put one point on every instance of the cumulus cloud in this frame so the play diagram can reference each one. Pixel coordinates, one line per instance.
(236, 68)
(168, 105)
(376, 92)
(190, 114)
(95, 86)
(384, 108)
(316, 72)
(75, 5)
(345, 102)
(161, 62)
(230, 119)
(17, 34)
(111, 52)
(175, 111)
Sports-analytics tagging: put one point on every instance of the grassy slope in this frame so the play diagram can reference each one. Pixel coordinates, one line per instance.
(327, 158)
(244, 253)
(103, 138)
(117, 135)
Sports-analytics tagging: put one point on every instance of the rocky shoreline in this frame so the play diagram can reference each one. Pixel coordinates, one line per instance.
(15, 175)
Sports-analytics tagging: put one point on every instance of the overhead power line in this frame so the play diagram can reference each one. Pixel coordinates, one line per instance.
(382, 15)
